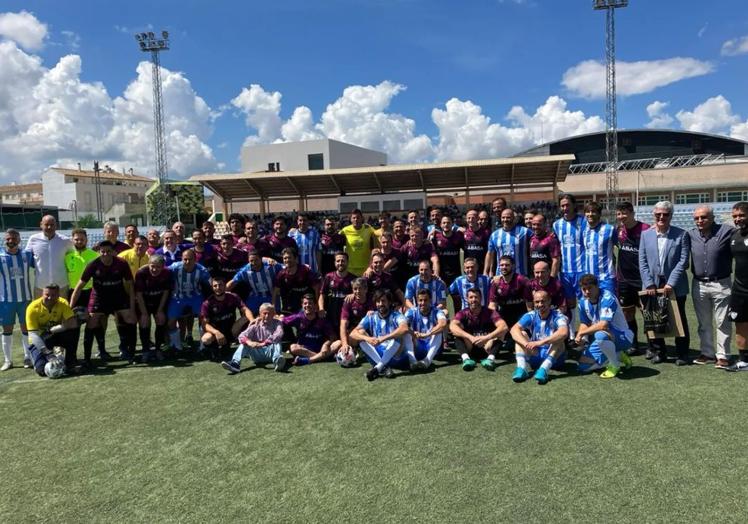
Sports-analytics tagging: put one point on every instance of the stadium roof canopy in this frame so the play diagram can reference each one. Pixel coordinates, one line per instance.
(507, 174)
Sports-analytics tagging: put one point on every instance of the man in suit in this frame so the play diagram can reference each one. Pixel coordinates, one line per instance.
(663, 258)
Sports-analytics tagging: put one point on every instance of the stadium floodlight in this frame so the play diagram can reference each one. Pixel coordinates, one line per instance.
(611, 115)
(149, 43)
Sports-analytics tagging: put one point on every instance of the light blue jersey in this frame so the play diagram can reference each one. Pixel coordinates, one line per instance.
(462, 285)
(423, 323)
(260, 282)
(309, 246)
(514, 243)
(598, 245)
(14, 276)
(607, 308)
(540, 328)
(378, 327)
(436, 287)
(187, 285)
(570, 234)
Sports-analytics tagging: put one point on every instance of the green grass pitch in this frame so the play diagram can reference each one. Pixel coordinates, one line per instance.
(188, 443)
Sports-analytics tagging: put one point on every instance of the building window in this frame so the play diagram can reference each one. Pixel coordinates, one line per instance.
(390, 205)
(348, 207)
(692, 198)
(732, 196)
(413, 203)
(370, 207)
(650, 200)
(316, 161)
(87, 198)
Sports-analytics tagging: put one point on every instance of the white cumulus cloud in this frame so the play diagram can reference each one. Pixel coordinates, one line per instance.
(658, 116)
(735, 46)
(587, 79)
(24, 29)
(712, 116)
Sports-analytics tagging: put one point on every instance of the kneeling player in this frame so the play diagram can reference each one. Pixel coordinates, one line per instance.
(219, 322)
(539, 337)
(380, 334)
(314, 333)
(478, 332)
(261, 342)
(51, 322)
(427, 325)
(601, 316)
(354, 310)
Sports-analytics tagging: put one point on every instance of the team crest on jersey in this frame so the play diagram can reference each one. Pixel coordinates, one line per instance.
(745, 241)
(733, 315)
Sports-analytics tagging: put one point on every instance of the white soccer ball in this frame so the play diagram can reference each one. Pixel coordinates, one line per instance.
(346, 359)
(54, 368)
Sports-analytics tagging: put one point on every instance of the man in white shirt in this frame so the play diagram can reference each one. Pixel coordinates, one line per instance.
(49, 250)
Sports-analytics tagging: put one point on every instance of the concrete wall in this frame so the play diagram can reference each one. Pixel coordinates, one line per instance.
(56, 191)
(61, 194)
(293, 156)
(345, 155)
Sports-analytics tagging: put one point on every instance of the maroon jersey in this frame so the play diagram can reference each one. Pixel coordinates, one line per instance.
(354, 311)
(119, 247)
(384, 281)
(216, 243)
(516, 291)
(259, 244)
(311, 333)
(208, 257)
(221, 313)
(152, 287)
(477, 324)
(476, 245)
(335, 288)
(277, 245)
(293, 287)
(448, 248)
(554, 289)
(399, 242)
(108, 281)
(544, 249)
(628, 254)
(413, 255)
(329, 245)
(229, 265)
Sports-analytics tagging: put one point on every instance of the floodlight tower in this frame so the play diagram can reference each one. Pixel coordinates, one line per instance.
(611, 116)
(151, 43)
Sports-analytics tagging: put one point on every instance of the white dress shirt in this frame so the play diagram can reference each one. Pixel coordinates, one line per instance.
(49, 257)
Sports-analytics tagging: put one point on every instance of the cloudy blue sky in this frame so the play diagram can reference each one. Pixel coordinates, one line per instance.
(422, 80)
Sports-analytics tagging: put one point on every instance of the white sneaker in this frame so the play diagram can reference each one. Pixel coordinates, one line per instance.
(739, 366)
(8, 364)
(27, 363)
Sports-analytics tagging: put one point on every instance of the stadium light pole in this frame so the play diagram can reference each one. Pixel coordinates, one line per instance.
(150, 43)
(611, 115)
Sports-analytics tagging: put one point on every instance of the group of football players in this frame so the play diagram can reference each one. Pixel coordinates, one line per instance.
(300, 295)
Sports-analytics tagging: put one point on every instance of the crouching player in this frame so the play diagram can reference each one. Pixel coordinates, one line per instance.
(51, 322)
(601, 317)
(478, 332)
(219, 322)
(380, 334)
(314, 334)
(354, 310)
(427, 325)
(261, 342)
(539, 337)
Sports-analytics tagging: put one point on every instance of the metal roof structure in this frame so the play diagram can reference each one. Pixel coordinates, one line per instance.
(503, 174)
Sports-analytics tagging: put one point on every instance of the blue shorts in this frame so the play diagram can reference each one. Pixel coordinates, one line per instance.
(181, 307)
(570, 284)
(610, 284)
(398, 361)
(10, 310)
(536, 361)
(621, 341)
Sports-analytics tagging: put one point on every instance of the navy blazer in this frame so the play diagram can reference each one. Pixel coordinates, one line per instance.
(677, 253)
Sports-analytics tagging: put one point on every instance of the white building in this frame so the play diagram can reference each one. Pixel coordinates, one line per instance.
(27, 194)
(308, 155)
(122, 194)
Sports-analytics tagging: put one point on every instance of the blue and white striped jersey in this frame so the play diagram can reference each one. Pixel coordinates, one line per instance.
(422, 323)
(309, 246)
(570, 234)
(540, 328)
(376, 326)
(188, 284)
(598, 245)
(514, 243)
(462, 285)
(260, 282)
(14, 276)
(607, 308)
(436, 287)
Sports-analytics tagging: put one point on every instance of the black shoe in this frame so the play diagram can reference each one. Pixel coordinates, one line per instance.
(86, 366)
(189, 341)
(388, 373)
(372, 374)
(634, 351)
(649, 354)
(104, 356)
(683, 361)
(659, 358)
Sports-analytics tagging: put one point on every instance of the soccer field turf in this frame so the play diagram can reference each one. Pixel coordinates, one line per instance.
(189, 443)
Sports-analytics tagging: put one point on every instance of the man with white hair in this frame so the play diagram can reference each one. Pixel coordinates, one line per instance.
(261, 342)
(49, 250)
(663, 260)
(711, 265)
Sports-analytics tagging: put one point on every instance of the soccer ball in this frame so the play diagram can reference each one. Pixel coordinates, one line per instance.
(54, 368)
(346, 359)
